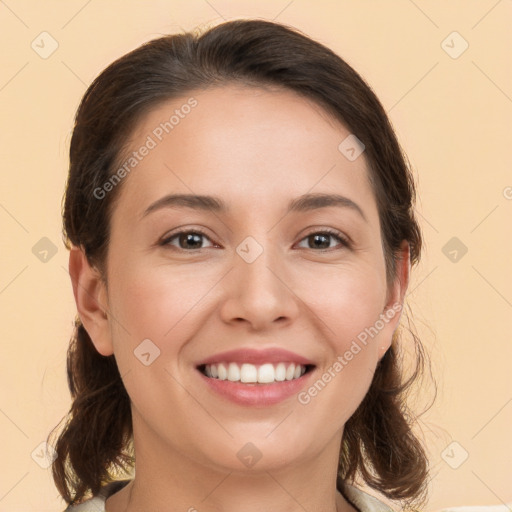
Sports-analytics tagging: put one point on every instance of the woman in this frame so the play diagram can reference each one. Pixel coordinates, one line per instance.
(240, 221)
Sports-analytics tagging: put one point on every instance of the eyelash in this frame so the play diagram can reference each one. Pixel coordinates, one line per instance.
(335, 234)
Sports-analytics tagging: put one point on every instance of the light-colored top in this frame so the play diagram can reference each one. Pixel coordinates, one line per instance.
(359, 499)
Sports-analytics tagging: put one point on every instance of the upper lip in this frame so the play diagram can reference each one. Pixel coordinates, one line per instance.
(252, 356)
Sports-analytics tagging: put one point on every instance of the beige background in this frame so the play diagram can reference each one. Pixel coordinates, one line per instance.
(452, 115)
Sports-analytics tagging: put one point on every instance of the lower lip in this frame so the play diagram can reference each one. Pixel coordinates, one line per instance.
(257, 394)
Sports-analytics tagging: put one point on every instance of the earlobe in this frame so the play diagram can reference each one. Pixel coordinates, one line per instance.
(91, 300)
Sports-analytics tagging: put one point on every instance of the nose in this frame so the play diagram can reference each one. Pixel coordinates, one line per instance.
(259, 293)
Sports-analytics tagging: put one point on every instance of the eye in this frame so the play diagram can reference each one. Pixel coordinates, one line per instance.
(320, 239)
(192, 240)
(186, 240)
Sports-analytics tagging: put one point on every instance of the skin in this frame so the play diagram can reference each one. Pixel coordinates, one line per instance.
(256, 149)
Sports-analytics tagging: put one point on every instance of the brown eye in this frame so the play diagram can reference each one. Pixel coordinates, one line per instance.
(322, 240)
(187, 240)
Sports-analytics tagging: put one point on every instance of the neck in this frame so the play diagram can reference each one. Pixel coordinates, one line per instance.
(167, 479)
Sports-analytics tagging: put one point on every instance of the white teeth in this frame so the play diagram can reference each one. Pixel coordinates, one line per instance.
(233, 372)
(280, 373)
(221, 372)
(249, 373)
(266, 373)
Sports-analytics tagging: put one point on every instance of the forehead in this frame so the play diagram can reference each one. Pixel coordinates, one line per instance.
(252, 146)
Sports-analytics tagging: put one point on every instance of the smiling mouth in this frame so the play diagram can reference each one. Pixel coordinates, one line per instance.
(246, 373)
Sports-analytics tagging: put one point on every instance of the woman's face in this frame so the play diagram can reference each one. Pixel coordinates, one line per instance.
(258, 279)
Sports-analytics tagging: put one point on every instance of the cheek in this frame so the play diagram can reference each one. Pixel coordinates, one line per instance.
(347, 311)
(350, 309)
(154, 302)
(347, 301)
(160, 304)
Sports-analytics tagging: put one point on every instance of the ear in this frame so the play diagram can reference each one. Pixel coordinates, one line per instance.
(395, 299)
(91, 300)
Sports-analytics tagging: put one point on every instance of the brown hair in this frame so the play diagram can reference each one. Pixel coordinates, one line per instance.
(378, 442)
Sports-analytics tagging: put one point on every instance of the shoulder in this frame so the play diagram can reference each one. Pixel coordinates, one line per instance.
(363, 501)
(97, 503)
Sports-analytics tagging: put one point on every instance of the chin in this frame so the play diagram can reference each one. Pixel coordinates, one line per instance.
(258, 452)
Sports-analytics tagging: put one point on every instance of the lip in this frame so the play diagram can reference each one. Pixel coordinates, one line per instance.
(257, 395)
(252, 356)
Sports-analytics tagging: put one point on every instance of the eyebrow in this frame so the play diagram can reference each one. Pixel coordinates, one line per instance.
(302, 203)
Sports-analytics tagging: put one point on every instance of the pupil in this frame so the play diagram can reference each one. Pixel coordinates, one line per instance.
(189, 238)
(317, 237)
